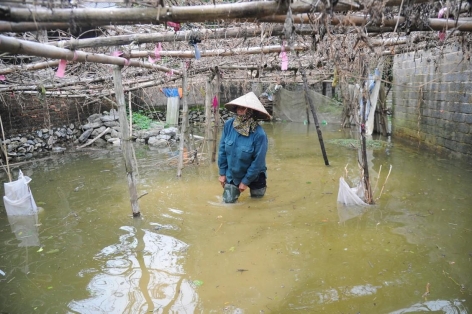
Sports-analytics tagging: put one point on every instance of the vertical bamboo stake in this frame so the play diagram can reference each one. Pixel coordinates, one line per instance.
(130, 113)
(208, 105)
(315, 118)
(368, 190)
(126, 140)
(217, 114)
(4, 148)
(183, 128)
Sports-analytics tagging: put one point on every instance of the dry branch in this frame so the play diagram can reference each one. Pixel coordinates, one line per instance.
(96, 138)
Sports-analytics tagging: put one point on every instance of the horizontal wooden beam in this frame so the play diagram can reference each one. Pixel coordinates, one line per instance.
(18, 46)
(216, 52)
(204, 34)
(184, 14)
(348, 20)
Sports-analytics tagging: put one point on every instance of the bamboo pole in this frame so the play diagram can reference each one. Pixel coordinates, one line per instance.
(183, 14)
(126, 141)
(315, 118)
(130, 114)
(180, 54)
(364, 163)
(5, 151)
(184, 124)
(347, 20)
(352, 20)
(29, 67)
(208, 138)
(18, 46)
(215, 52)
(217, 114)
(141, 15)
(205, 34)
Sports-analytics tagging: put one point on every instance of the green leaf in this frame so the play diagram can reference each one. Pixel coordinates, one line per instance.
(198, 283)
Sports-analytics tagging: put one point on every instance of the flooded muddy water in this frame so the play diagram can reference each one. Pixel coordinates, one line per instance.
(293, 251)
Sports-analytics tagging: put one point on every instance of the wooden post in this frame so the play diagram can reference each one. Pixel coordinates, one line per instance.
(183, 127)
(365, 90)
(315, 118)
(217, 115)
(126, 141)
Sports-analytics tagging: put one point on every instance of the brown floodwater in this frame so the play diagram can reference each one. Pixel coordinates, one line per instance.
(293, 251)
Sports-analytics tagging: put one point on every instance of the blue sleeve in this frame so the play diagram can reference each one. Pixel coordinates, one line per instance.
(222, 160)
(258, 165)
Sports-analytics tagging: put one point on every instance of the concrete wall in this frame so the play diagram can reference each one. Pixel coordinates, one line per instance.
(432, 100)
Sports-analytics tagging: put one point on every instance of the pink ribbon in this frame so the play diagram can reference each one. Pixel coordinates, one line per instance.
(2, 78)
(61, 69)
(215, 102)
(441, 14)
(157, 53)
(284, 57)
(119, 54)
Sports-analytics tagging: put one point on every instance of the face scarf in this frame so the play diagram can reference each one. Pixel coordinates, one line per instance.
(245, 124)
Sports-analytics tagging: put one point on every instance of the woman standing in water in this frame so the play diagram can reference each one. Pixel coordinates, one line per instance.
(243, 149)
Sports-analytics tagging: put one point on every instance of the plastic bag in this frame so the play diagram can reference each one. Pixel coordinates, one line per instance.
(18, 199)
(350, 196)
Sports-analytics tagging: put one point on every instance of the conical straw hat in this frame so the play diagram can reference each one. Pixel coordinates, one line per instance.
(251, 101)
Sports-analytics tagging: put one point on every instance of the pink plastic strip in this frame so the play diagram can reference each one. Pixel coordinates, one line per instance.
(61, 69)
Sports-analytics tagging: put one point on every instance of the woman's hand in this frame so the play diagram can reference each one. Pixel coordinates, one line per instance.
(222, 180)
(242, 187)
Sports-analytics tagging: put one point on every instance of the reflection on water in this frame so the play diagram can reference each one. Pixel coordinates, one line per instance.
(25, 229)
(139, 279)
(294, 250)
(346, 212)
(438, 306)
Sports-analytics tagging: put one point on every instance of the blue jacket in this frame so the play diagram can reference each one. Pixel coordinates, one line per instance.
(242, 158)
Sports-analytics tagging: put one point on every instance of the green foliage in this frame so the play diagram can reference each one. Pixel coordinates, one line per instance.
(355, 143)
(337, 98)
(141, 121)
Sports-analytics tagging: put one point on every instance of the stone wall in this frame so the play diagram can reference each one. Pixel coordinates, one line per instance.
(432, 100)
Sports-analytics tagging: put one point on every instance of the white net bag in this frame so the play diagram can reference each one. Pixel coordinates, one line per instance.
(18, 198)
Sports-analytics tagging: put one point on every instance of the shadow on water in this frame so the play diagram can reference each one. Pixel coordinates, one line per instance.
(295, 250)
